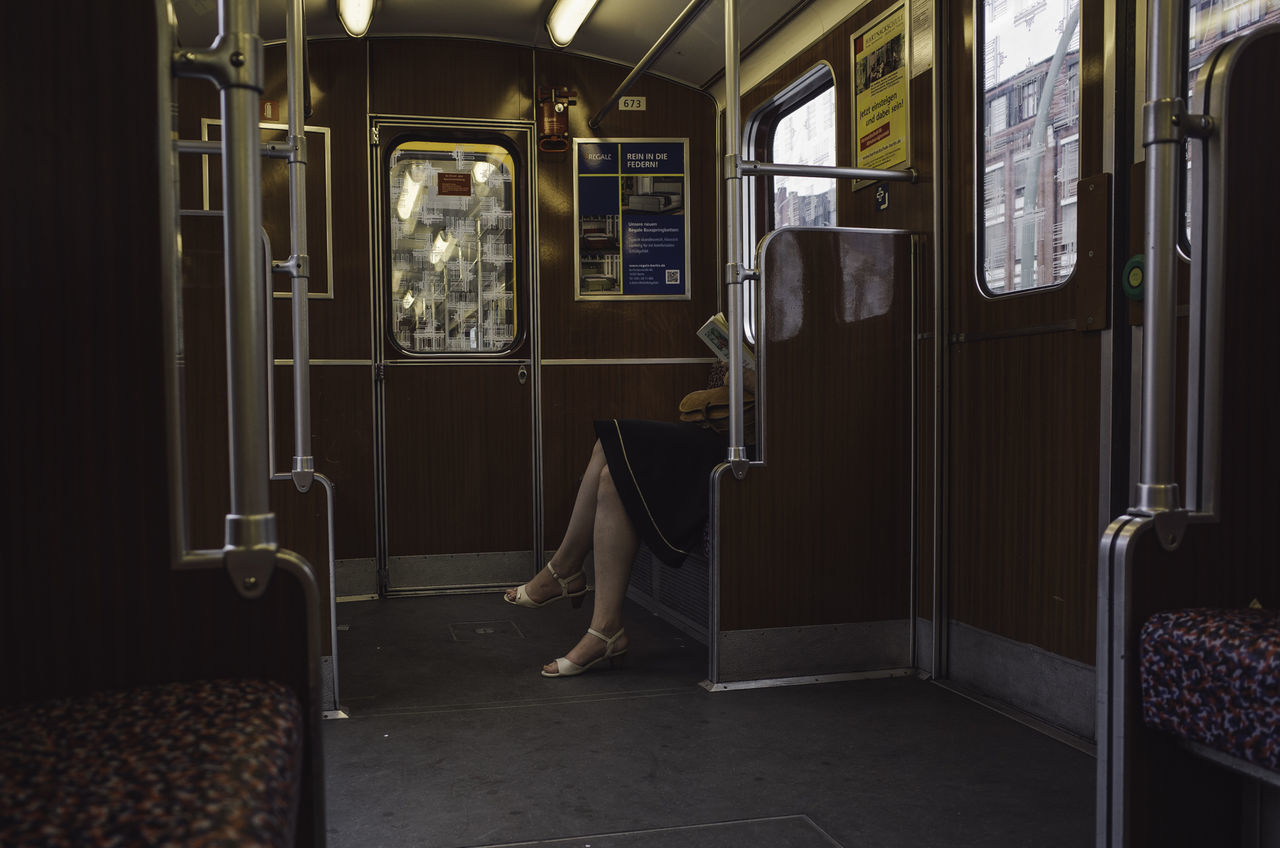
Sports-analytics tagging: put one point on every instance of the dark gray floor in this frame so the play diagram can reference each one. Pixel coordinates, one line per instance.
(455, 740)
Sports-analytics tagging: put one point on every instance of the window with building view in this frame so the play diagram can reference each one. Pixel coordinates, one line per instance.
(1210, 24)
(805, 134)
(1029, 124)
(797, 126)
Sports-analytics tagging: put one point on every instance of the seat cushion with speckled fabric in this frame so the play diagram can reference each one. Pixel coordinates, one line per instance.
(1213, 676)
(183, 764)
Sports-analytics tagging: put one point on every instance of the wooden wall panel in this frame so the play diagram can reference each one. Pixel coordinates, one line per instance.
(1024, 400)
(1024, 490)
(459, 460)
(88, 599)
(441, 77)
(821, 534)
(341, 328)
(342, 445)
(610, 329)
(204, 378)
(910, 207)
(576, 395)
(84, 582)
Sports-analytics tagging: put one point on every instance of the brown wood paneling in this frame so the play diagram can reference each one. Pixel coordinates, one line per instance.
(342, 446)
(459, 460)
(604, 329)
(441, 77)
(1023, 490)
(821, 534)
(1024, 400)
(204, 380)
(576, 395)
(341, 410)
(84, 580)
(340, 328)
(926, 400)
(910, 207)
(87, 596)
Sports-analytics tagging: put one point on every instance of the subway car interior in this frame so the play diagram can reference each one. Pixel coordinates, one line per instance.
(967, 307)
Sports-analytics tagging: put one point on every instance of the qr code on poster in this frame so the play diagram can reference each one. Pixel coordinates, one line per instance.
(673, 277)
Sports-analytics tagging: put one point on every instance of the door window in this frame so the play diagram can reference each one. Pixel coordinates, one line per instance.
(452, 236)
(1029, 76)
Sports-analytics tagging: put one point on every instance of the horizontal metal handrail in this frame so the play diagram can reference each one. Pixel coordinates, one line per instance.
(270, 149)
(773, 169)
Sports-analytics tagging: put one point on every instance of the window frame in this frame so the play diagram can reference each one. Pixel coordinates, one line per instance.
(408, 135)
(981, 137)
(758, 138)
(757, 144)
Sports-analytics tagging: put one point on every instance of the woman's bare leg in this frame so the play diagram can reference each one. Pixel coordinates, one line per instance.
(577, 542)
(615, 544)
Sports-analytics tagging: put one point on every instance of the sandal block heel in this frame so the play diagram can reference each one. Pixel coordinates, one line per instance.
(568, 668)
(522, 599)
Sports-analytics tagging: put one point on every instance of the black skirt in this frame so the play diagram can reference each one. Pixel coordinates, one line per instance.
(662, 472)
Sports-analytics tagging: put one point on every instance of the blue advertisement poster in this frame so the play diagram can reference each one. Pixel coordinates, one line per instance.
(631, 200)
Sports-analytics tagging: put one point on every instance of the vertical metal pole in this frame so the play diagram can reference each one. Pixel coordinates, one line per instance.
(303, 462)
(250, 522)
(251, 538)
(941, 600)
(733, 219)
(1157, 490)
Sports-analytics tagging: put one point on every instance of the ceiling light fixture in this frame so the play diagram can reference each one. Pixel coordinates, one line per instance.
(565, 18)
(356, 15)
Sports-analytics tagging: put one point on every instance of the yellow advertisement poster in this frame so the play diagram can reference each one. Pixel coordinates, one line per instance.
(881, 114)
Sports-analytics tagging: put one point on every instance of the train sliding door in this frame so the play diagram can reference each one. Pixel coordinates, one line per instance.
(1028, 317)
(454, 356)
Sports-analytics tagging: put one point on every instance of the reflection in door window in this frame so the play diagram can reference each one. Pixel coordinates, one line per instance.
(1030, 123)
(1210, 23)
(452, 235)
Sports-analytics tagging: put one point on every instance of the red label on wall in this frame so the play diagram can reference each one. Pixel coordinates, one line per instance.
(454, 185)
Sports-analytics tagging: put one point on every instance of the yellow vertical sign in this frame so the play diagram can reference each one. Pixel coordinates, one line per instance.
(881, 82)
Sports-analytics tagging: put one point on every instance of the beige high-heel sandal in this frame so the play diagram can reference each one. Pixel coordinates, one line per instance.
(522, 598)
(569, 668)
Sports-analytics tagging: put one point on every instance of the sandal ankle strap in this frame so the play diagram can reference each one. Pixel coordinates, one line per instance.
(564, 581)
(608, 640)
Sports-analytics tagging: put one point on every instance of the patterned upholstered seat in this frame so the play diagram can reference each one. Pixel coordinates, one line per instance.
(1213, 676)
(181, 764)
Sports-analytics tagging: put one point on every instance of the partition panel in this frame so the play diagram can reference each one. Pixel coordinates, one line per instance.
(819, 534)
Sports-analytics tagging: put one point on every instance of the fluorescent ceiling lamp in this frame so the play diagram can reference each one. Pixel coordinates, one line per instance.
(355, 16)
(442, 249)
(414, 176)
(565, 18)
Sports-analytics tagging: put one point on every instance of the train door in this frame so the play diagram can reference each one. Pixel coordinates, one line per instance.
(453, 358)
(1027, 355)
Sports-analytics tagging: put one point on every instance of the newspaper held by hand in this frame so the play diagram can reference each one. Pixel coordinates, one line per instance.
(715, 332)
